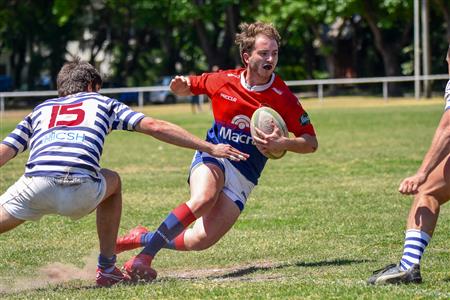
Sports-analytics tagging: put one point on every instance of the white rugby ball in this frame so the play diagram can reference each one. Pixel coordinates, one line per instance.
(262, 119)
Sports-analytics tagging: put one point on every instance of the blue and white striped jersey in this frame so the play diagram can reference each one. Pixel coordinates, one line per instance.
(66, 135)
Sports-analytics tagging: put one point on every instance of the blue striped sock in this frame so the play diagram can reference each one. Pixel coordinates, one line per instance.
(173, 225)
(105, 263)
(146, 237)
(415, 243)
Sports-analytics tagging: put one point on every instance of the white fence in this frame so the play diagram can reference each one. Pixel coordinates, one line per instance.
(383, 80)
(319, 83)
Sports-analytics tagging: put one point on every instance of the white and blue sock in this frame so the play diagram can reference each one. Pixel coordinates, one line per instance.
(107, 264)
(415, 243)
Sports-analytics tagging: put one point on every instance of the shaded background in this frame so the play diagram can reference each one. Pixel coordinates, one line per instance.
(136, 42)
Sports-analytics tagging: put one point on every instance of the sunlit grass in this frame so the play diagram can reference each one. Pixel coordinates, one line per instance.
(315, 227)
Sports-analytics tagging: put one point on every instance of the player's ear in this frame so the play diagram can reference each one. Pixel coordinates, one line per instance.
(245, 57)
(89, 88)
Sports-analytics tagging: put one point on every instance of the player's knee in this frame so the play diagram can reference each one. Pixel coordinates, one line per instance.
(203, 246)
(430, 201)
(201, 203)
(7, 221)
(203, 242)
(118, 180)
(112, 179)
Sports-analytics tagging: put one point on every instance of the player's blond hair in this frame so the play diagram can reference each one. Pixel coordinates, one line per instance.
(246, 39)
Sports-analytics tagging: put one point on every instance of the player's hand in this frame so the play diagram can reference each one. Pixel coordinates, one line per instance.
(273, 142)
(180, 85)
(227, 151)
(410, 185)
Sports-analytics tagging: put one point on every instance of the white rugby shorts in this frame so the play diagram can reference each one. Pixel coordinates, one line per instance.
(30, 198)
(236, 186)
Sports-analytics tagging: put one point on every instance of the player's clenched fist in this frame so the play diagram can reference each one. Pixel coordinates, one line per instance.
(180, 85)
(411, 184)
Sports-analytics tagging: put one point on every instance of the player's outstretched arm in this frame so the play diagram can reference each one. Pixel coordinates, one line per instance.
(174, 134)
(181, 86)
(6, 154)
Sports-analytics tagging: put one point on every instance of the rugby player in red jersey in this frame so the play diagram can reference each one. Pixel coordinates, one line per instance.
(220, 186)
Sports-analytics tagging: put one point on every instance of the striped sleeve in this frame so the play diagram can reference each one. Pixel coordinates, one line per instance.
(447, 96)
(19, 138)
(125, 117)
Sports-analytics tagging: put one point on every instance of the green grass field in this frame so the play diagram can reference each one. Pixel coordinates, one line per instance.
(315, 227)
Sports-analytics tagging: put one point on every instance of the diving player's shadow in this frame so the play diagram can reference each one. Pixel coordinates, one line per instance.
(239, 272)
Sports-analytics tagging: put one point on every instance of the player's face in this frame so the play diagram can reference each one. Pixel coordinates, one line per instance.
(264, 57)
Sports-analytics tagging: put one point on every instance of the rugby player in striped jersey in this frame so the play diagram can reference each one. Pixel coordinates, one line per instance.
(431, 189)
(65, 138)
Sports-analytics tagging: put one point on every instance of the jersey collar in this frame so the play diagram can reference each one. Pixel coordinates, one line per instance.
(256, 88)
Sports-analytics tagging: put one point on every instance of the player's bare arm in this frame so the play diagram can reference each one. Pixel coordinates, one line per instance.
(6, 154)
(275, 141)
(174, 134)
(180, 86)
(439, 149)
(447, 58)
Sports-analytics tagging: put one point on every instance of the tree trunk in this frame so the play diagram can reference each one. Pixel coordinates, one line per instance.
(221, 56)
(233, 18)
(388, 51)
(208, 46)
(17, 62)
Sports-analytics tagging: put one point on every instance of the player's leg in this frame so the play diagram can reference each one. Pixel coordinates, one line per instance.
(7, 221)
(218, 220)
(206, 173)
(211, 227)
(420, 226)
(206, 182)
(207, 230)
(424, 214)
(108, 212)
(213, 224)
(108, 220)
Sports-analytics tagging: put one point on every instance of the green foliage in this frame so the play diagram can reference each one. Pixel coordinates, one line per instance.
(65, 10)
(144, 39)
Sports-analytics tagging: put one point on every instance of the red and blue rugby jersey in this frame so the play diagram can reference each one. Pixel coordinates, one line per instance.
(234, 102)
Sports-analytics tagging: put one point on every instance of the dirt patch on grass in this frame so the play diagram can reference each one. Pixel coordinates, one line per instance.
(58, 273)
(53, 274)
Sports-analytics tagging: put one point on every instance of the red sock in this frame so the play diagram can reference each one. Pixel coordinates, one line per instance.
(178, 242)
